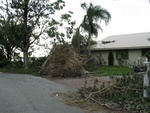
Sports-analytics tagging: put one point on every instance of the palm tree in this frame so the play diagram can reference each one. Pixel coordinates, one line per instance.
(92, 19)
(76, 40)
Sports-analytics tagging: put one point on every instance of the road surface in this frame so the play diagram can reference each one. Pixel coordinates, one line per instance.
(22, 93)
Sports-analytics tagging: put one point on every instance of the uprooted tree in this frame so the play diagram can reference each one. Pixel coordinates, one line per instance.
(63, 61)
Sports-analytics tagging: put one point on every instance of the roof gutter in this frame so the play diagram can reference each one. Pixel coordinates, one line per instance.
(120, 48)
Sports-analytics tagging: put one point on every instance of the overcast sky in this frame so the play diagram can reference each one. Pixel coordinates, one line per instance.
(128, 16)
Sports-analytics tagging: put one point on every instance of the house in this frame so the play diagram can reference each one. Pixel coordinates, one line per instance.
(127, 49)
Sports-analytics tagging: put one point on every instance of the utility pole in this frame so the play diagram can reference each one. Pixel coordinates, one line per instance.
(146, 79)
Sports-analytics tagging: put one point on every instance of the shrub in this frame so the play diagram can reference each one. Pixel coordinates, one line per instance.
(3, 59)
(37, 62)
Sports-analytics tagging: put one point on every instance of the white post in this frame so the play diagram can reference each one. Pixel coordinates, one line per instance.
(146, 79)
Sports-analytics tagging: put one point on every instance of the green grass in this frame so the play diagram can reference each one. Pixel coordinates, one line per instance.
(34, 72)
(99, 70)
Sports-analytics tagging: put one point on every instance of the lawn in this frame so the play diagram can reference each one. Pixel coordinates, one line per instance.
(34, 72)
(99, 70)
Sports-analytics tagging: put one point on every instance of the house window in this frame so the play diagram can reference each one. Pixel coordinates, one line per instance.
(146, 53)
(122, 54)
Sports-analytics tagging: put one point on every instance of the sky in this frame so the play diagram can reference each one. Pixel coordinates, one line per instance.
(128, 16)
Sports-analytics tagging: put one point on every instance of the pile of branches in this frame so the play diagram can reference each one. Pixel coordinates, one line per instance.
(125, 93)
(63, 61)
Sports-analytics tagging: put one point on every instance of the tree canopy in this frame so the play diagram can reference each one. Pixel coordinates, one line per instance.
(28, 16)
(61, 30)
(92, 19)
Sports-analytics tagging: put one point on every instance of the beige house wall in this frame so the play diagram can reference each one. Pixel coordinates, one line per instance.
(133, 56)
(103, 57)
(100, 56)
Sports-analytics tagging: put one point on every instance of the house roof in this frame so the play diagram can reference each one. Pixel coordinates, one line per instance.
(127, 41)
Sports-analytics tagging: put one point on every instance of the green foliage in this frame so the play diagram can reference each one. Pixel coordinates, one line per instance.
(3, 60)
(94, 15)
(80, 42)
(87, 89)
(125, 93)
(65, 23)
(29, 14)
(6, 38)
(21, 70)
(17, 66)
(36, 63)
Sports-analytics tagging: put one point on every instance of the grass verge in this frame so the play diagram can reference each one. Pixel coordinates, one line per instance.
(31, 71)
(99, 70)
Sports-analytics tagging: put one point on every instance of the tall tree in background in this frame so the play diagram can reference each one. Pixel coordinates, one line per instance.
(7, 31)
(7, 39)
(92, 19)
(76, 40)
(80, 42)
(30, 15)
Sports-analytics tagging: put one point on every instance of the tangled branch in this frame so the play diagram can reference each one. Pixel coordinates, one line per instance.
(125, 92)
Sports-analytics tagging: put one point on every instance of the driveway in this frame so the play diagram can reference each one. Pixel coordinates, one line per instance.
(76, 83)
(21, 93)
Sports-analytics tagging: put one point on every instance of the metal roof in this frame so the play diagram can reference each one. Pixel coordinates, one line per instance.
(126, 41)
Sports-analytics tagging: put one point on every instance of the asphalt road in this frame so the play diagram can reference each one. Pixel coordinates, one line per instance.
(21, 93)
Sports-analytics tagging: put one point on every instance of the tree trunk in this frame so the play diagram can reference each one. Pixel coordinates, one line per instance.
(25, 56)
(89, 42)
(78, 38)
(26, 35)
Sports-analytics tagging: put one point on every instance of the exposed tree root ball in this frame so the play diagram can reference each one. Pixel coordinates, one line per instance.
(63, 61)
